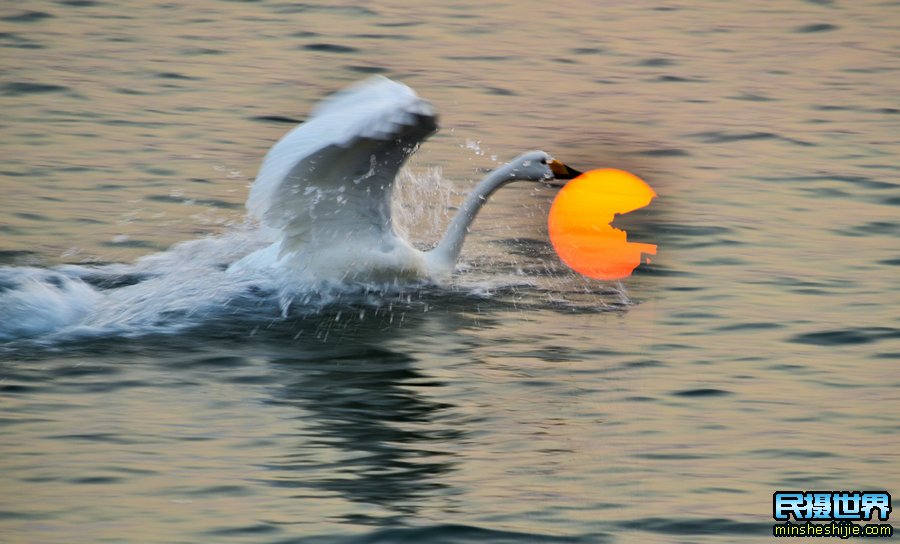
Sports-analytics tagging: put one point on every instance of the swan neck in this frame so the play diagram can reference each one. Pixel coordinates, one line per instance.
(443, 257)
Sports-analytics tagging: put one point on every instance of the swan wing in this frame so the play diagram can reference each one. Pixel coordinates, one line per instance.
(329, 180)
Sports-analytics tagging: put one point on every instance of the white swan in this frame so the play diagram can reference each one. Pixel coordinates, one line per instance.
(326, 186)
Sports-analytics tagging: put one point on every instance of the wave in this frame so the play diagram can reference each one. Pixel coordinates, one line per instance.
(190, 285)
(37, 301)
(187, 285)
(439, 534)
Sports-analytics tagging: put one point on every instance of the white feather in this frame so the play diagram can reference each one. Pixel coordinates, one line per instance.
(325, 188)
(352, 146)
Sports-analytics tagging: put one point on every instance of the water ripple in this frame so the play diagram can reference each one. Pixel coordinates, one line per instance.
(816, 27)
(702, 393)
(27, 17)
(851, 336)
(697, 526)
(449, 534)
(19, 88)
(330, 48)
(727, 137)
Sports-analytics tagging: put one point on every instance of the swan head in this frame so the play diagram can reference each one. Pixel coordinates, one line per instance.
(538, 166)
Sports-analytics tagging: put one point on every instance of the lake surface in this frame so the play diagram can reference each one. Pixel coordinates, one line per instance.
(757, 352)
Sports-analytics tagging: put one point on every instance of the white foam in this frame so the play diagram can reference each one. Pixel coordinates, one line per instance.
(188, 285)
(35, 301)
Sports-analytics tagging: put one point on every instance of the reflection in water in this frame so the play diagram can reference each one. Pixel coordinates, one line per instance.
(367, 433)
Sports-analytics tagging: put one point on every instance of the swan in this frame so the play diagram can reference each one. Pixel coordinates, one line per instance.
(325, 190)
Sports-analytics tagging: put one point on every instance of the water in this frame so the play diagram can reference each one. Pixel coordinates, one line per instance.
(757, 352)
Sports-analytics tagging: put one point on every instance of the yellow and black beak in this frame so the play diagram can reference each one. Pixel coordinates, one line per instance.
(561, 171)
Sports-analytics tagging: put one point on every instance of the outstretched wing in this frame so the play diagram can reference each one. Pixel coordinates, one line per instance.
(329, 180)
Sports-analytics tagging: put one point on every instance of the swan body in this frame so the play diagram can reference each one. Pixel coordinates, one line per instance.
(325, 190)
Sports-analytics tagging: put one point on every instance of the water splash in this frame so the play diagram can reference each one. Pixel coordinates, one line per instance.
(37, 301)
(422, 205)
(190, 284)
(475, 146)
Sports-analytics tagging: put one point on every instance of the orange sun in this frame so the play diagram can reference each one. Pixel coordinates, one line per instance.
(580, 228)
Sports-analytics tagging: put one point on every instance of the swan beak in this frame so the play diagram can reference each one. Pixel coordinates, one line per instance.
(561, 171)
